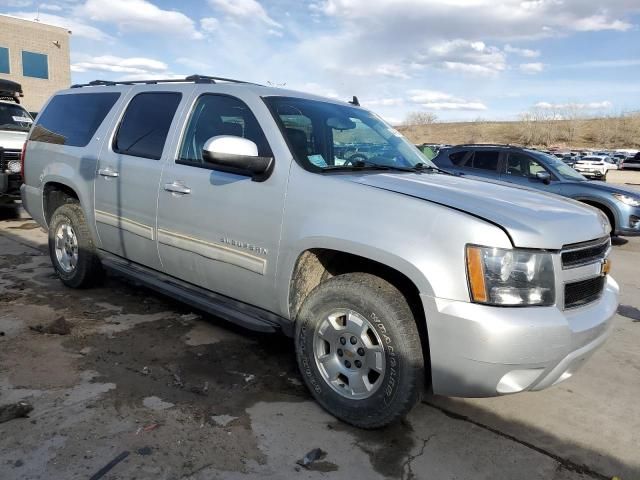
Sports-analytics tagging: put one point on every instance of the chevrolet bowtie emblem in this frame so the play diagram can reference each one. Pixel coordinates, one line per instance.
(606, 267)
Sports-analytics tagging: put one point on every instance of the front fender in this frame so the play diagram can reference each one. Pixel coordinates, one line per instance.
(422, 240)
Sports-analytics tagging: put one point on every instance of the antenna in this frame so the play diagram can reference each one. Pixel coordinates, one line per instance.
(355, 101)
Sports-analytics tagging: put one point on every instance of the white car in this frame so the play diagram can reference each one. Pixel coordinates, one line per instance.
(595, 166)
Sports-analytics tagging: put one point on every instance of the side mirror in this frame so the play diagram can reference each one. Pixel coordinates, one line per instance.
(238, 155)
(544, 177)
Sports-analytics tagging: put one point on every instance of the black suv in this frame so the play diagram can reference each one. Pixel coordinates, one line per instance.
(534, 169)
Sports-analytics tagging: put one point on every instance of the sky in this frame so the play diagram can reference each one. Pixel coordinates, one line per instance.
(459, 59)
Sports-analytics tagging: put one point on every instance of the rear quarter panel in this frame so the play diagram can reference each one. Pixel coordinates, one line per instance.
(75, 167)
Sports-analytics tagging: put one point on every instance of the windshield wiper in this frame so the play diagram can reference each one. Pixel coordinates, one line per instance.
(431, 168)
(366, 165)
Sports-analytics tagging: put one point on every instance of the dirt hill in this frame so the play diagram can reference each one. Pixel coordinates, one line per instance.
(611, 132)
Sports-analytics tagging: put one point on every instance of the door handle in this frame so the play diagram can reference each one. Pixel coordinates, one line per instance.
(177, 187)
(108, 172)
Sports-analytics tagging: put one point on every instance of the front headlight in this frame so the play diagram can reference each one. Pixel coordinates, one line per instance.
(510, 277)
(628, 199)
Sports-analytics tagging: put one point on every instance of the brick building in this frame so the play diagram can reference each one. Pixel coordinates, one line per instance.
(36, 56)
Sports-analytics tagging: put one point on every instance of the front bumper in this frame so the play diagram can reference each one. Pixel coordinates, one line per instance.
(10, 186)
(484, 351)
(628, 220)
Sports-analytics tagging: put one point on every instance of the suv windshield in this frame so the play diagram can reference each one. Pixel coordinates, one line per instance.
(561, 169)
(325, 136)
(14, 117)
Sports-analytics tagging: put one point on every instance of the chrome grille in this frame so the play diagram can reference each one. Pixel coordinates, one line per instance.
(585, 253)
(583, 292)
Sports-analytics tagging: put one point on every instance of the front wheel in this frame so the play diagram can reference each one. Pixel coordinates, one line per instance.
(359, 350)
(71, 248)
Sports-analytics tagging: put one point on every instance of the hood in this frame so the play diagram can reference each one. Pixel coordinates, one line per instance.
(12, 140)
(532, 219)
(607, 188)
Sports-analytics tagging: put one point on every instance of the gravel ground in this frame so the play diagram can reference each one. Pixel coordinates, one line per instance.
(189, 396)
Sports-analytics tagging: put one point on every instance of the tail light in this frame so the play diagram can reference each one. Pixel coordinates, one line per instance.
(22, 158)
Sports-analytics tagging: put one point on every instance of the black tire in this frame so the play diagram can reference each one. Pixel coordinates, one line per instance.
(88, 269)
(389, 314)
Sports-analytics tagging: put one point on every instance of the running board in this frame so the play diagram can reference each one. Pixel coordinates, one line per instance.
(234, 311)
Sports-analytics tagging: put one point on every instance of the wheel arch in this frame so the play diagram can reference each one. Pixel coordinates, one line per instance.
(315, 266)
(54, 194)
(606, 208)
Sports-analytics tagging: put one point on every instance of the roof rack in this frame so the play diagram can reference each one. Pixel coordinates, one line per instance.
(504, 145)
(189, 79)
(10, 91)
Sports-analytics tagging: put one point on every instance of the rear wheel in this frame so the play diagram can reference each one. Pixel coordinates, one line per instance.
(359, 350)
(71, 248)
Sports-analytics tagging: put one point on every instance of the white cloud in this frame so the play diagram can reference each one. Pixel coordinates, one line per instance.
(139, 16)
(472, 68)
(603, 105)
(16, 3)
(111, 63)
(77, 26)
(246, 9)
(621, 63)
(209, 24)
(50, 6)
(383, 102)
(523, 52)
(436, 100)
(532, 68)
(596, 23)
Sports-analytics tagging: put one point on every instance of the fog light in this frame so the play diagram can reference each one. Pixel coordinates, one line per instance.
(634, 221)
(518, 380)
(13, 166)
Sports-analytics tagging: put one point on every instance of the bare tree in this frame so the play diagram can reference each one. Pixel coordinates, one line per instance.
(420, 118)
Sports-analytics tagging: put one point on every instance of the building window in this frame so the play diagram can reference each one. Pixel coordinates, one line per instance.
(4, 60)
(35, 65)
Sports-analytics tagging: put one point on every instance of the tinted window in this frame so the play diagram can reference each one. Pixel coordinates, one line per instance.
(486, 160)
(145, 125)
(523, 166)
(215, 115)
(73, 119)
(35, 65)
(14, 117)
(4, 60)
(462, 158)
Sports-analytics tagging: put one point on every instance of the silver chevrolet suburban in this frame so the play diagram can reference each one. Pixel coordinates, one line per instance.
(282, 211)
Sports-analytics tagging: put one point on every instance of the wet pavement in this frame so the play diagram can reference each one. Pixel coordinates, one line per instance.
(189, 396)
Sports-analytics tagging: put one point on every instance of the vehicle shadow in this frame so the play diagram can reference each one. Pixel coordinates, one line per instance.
(618, 241)
(573, 455)
(273, 354)
(9, 212)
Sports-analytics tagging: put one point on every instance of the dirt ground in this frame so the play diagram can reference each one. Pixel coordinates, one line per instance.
(189, 396)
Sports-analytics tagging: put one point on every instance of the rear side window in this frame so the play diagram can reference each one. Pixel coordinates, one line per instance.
(486, 160)
(73, 119)
(462, 158)
(145, 124)
(481, 159)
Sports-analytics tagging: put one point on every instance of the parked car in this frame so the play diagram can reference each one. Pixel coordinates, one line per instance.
(632, 163)
(387, 272)
(534, 169)
(595, 166)
(15, 122)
